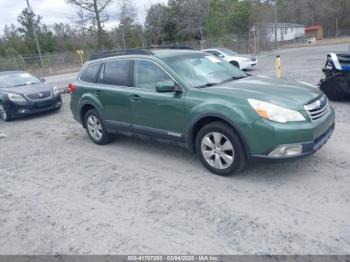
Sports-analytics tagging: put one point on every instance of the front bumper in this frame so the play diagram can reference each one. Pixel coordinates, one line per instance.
(18, 109)
(253, 62)
(308, 148)
(310, 136)
(248, 64)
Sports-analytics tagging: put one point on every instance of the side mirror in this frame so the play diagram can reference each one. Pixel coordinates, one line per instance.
(42, 80)
(221, 56)
(166, 86)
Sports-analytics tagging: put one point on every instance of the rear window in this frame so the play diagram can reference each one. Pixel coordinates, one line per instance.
(116, 73)
(90, 73)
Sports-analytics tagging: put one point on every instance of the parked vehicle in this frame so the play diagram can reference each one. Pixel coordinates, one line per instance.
(240, 61)
(23, 94)
(224, 115)
(336, 84)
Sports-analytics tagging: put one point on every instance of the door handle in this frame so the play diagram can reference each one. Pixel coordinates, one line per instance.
(98, 92)
(135, 98)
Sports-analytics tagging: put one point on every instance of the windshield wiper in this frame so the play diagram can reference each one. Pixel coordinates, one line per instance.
(206, 85)
(26, 84)
(227, 80)
(20, 85)
(233, 78)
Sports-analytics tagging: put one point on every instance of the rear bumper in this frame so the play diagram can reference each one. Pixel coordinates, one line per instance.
(18, 109)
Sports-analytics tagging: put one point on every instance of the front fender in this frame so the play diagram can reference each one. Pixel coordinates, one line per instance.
(3, 96)
(238, 116)
(237, 111)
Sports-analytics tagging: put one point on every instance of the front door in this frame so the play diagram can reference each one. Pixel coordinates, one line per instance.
(155, 113)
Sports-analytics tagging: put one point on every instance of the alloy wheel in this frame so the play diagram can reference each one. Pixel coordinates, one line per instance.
(3, 113)
(217, 150)
(94, 127)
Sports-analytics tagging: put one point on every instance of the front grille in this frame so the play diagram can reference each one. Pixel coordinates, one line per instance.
(318, 108)
(38, 95)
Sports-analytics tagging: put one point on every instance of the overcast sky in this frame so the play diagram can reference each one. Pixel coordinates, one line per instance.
(56, 11)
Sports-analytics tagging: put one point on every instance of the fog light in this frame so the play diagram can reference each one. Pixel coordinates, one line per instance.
(22, 111)
(287, 150)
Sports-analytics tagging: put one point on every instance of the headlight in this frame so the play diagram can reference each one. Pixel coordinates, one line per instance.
(275, 113)
(55, 91)
(16, 98)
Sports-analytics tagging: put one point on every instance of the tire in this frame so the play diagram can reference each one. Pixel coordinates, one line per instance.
(96, 129)
(223, 154)
(236, 64)
(336, 87)
(4, 114)
(58, 108)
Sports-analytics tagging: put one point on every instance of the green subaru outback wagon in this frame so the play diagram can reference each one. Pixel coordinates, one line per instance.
(219, 112)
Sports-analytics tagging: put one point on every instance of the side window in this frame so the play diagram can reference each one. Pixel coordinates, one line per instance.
(148, 74)
(101, 74)
(90, 73)
(214, 53)
(116, 73)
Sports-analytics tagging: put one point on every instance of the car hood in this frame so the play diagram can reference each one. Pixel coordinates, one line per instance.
(28, 88)
(282, 92)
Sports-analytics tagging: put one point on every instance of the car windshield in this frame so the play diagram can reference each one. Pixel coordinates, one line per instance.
(228, 52)
(202, 69)
(17, 79)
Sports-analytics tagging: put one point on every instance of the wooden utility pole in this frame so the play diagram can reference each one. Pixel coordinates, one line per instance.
(123, 36)
(275, 12)
(35, 35)
(336, 27)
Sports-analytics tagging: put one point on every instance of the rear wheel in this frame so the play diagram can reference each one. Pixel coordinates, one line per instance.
(220, 149)
(4, 115)
(95, 128)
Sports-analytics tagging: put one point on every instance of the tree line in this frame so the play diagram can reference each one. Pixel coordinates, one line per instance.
(177, 21)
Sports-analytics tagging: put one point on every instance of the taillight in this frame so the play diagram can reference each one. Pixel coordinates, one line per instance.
(72, 88)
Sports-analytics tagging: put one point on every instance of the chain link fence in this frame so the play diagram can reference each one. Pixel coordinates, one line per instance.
(65, 62)
(55, 63)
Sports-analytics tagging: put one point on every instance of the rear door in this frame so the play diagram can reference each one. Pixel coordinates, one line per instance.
(113, 92)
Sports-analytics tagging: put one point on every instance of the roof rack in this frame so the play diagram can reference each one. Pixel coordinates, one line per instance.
(186, 47)
(131, 51)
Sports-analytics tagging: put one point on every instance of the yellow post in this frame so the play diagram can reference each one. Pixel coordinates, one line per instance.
(278, 67)
(81, 56)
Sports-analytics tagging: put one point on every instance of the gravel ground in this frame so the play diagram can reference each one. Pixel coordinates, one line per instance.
(62, 194)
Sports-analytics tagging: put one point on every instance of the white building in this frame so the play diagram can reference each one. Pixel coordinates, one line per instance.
(285, 31)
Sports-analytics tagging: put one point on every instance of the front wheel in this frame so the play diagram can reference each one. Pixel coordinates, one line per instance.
(220, 149)
(236, 64)
(4, 115)
(95, 128)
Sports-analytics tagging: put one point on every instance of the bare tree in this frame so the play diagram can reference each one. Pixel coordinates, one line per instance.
(93, 11)
(156, 22)
(193, 18)
(127, 17)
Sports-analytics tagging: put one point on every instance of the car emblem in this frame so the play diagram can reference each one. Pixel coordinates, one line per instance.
(41, 94)
(318, 104)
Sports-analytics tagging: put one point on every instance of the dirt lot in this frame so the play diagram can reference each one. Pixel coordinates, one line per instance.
(60, 193)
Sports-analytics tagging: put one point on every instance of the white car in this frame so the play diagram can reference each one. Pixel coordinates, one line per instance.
(242, 62)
